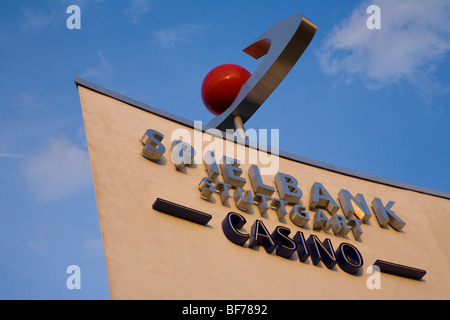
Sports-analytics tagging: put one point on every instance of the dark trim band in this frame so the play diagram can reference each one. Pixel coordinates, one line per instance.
(182, 212)
(400, 270)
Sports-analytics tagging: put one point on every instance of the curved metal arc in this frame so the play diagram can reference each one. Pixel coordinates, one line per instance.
(282, 45)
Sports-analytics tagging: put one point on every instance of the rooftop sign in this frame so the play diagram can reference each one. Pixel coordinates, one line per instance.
(226, 199)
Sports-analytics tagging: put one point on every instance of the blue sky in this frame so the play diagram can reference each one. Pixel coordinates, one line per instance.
(375, 101)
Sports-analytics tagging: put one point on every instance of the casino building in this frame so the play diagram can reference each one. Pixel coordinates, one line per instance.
(189, 212)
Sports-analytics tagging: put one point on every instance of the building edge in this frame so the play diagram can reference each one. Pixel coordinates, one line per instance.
(315, 163)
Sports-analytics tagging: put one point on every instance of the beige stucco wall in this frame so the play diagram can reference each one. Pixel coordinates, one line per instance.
(151, 255)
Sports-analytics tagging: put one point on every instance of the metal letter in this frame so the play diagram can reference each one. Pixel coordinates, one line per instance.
(231, 225)
(362, 211)
(356, 227)
(386, 216)
(321, 251)
(257, 183)
(321, 221)
(231, 172)
(299, 217)
(153, 148)
(206, 188)
(339, 225)
(287, 187)
(223, 189)
(349, 258)
(285, 245)
(211, 165)
(260, 236)
(243, 201)
(302, 248)
(182, 153)
(320, 198)
(261, 199)
(280, 206)
(283, 44)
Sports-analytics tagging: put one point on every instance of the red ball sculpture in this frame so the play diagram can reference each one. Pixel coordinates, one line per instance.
(222, 85)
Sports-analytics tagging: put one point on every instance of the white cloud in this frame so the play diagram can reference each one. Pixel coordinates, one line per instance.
(36, 19)
(414, 37)
(12, 155)
(136, 8)
(102, 71)
(81, 3)
(168, 38)
(59, 170)
(94, 245)
(27, 102)
(39, 243)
